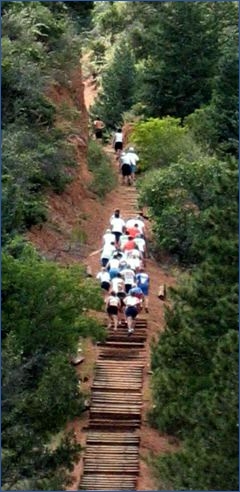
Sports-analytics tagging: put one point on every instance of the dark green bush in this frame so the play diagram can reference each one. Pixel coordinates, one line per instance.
(38, 45)
(32, 161)
(44, 310)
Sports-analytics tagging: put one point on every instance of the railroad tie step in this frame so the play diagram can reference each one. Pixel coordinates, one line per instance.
(113, 437)
(121, 344)
(109, 482)
(111, 460)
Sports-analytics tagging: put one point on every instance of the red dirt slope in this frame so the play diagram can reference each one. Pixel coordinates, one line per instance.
(75, 212)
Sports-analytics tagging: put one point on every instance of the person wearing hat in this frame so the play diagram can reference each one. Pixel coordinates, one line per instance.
(133, 159)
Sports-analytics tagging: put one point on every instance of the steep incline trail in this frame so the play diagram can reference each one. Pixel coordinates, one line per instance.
(151, 442)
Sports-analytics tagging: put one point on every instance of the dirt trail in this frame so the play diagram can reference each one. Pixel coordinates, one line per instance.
(76, 209)
(152, 443)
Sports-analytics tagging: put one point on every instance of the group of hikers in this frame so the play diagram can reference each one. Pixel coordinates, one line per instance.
(122, 275)
(128, 159)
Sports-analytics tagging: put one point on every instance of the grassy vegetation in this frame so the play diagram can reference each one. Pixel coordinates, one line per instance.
(104, 176)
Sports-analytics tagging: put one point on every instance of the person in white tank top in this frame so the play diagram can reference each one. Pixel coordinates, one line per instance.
(118, 141)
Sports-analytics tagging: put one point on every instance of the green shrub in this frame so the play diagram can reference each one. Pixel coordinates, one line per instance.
(39, 47)
(44, 312)
(104, 176)
(160, 142)
(31, 162)
(184, 199)
(201, 125)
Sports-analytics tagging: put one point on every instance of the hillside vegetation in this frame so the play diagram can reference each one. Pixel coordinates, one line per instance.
(179, 62)
(44, 305)
(170, 69)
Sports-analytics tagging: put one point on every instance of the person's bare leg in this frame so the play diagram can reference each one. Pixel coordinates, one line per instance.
(121, 317)
(115, 321)
(110, 321)
(146, 303)
(129, 324)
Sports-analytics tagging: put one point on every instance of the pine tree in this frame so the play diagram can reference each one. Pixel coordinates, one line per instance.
(118, 83)
(224, 105)
(195, 362)
(178, 73)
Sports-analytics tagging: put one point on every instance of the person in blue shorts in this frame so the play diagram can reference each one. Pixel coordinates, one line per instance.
(143, 281)
(133, 159)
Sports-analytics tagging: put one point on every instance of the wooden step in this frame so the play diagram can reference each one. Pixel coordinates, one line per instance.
(111, 423)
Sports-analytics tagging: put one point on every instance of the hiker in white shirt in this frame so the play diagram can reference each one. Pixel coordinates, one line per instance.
(141, 243)
(118, 286)
(117, 283)
(104, 278)
(133, 159)
(113, 262)
(125, 168)
(117, 225)
(134, 253)
(128, 276)
(108, 237)
(113, 305)
(135, 263)
(132, 304)
(123, 239)
(118, 141)
(107, 252)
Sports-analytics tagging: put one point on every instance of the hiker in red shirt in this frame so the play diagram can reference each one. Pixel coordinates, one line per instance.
(133, 231)
(130, 244)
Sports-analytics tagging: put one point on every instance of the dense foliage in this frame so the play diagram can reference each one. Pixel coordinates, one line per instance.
(161, 142)
(40, 48)
(179, 50)
(171, 68)
(118, 83)
(44, 306)
(43, 312)
(194, 206)
(186, 98)
(183, 200)
(104, 176)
